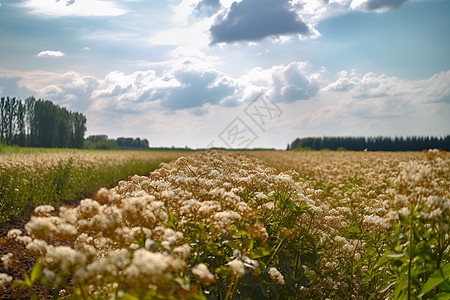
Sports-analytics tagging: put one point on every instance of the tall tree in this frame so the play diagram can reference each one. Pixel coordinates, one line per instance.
(2, 119)
(79, 129)
(20, 119)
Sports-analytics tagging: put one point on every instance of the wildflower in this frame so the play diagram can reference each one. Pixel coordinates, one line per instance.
(37, 245)
(237, 268)
(201, 272)
(43, 210)
(5, 279)
(258, 232)
(276, 276)
(182, 251)
(7, 260)
(153, 267)
(13, 233)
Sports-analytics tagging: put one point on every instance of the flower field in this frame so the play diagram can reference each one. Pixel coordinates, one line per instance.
(32, 177)
(259, 225)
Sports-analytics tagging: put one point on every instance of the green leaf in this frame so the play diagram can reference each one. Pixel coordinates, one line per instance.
(173, 222)
(442, 296)
(396, 255)
(129, 297)
(260, 252)
(404, 219)
(16, 284)
(242, 233)
(438, 277)
(26, 280)
(250, 244)
(36, 271)
(383, 259)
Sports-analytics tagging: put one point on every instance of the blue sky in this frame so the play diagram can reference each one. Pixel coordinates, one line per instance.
(253, 73)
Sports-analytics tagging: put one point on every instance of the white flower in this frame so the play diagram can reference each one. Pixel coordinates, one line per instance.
(201, 272)
(154, 267)
(182, 251)
(4, 280)
(237, 268)
(13, 233)
(6, 259)
(44, 209)
(276, 276)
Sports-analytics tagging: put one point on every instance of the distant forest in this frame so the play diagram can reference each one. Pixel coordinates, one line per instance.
(413, 143)
(40, 123)
(102, 142)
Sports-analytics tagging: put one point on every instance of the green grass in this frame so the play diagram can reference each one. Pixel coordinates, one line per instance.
(10, 150)
(22, 189)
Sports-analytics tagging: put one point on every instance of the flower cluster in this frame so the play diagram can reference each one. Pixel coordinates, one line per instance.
(222, 223)
(357, 200)
(140, 234)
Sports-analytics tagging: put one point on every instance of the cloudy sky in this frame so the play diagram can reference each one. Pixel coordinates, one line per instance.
(248, 73)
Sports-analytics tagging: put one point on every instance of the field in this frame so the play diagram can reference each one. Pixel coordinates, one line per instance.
(250, 225)
(31, 176)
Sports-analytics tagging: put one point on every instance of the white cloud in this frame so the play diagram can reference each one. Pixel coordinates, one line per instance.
(370, 104)
(50, 53)
(369, 85)
(296, 81)
(69, 89)
(176, 89)
(182, 11)
(187, 101)
(80, 8)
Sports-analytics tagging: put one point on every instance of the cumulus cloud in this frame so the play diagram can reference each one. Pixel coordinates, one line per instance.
(253, 20)
(196, 91)
(197, 88)
(178, 89)
(296, 81)
(372, 96)
(231, 21)
(370, 85)
(377, 5)
(69, 89)
(50, 53)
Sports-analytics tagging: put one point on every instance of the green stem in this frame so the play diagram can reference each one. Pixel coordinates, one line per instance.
(82, 291)
(231, 289)
(410, 252)
(276, 250)
(353, 258)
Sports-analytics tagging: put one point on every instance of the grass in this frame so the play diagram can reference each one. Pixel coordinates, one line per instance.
(36, 176)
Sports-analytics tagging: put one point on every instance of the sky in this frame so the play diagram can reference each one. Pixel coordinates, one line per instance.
(236, 74)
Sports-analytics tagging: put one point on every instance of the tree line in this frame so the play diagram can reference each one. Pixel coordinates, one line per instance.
(380, 143)
(102, 142)
(40, 123)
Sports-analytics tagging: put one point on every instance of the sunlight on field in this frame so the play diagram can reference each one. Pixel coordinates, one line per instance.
(32, 176)
(224, 225)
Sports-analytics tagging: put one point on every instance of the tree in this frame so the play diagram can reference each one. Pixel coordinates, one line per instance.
(20, 117)
(79, 129)
(40, 123)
